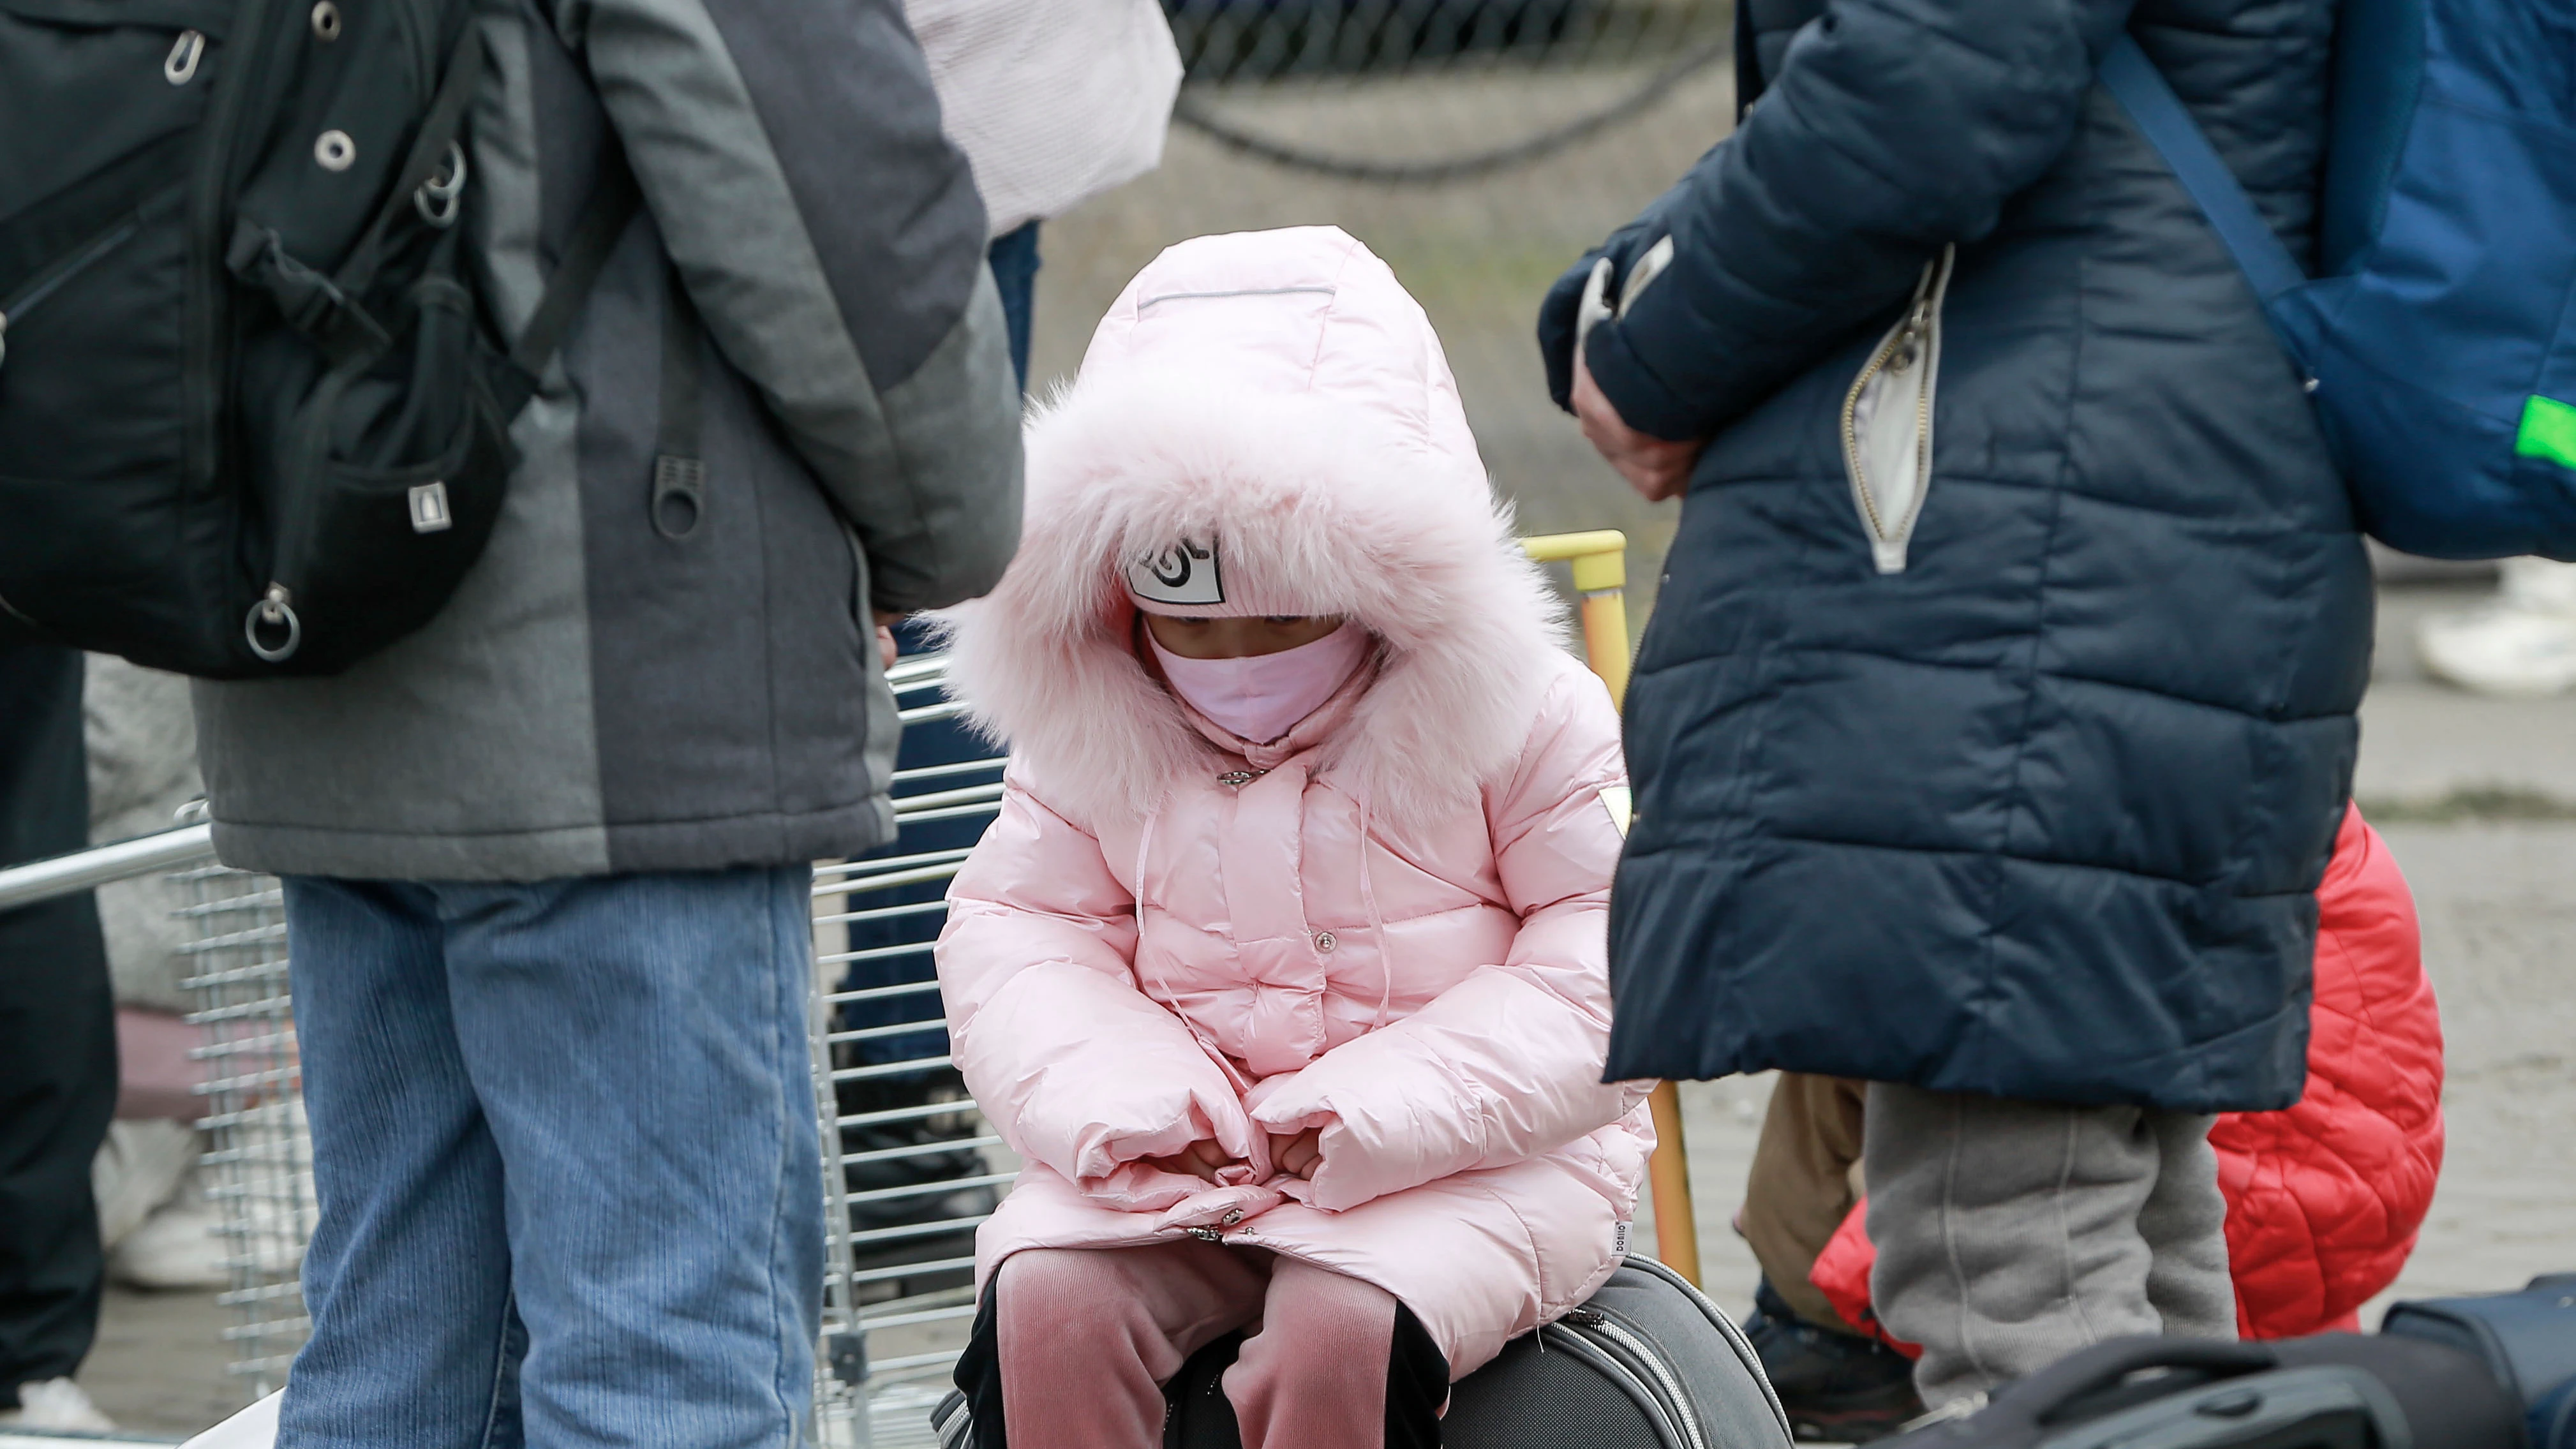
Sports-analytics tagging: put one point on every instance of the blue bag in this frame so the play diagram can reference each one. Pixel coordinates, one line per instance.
(2439, 336)
(2526, 1339)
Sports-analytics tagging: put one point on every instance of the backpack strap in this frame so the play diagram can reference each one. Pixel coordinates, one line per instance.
(2149, 98)
(441, 132)
(612, 203)
(332, 309)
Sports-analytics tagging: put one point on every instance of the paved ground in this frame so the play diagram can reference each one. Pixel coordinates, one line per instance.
(159, 1365)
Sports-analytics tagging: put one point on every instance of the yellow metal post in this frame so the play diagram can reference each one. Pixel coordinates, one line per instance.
(1600, 560)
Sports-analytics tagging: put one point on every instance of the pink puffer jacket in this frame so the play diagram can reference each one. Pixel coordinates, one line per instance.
(1389, 925)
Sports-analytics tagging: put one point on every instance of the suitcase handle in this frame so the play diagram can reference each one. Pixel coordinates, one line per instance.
(2046, 1396)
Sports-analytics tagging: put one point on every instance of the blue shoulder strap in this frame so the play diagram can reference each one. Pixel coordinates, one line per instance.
(2142, 91)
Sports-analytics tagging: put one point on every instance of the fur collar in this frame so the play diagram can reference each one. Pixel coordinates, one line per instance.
(1343, 509)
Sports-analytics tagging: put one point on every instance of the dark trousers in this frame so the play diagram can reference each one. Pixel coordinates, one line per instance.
(57, 1034)
(1014, 260)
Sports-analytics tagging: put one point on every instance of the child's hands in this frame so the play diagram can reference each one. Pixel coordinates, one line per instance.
(1200, 1159)
(1300, 1155)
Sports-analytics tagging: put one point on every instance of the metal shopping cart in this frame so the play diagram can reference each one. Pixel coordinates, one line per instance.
(897, 1300)
(894, 1317)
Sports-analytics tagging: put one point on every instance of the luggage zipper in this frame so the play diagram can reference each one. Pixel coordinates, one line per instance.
(1644, 1353)
(81, 259)
(951, 1427)
(1887, 420)
(1726, 1326)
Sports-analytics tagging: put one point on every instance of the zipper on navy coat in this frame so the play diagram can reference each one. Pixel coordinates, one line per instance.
(1896, 388)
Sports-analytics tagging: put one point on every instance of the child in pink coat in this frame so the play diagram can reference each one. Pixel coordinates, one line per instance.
(1284, 967)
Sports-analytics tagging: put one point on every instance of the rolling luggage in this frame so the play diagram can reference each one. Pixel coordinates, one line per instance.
(1647, 1363)
(2526, 1339)
(2334, 1391)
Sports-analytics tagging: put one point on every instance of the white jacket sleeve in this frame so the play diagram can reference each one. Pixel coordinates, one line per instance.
(1075, 1065)
(1505, 1065)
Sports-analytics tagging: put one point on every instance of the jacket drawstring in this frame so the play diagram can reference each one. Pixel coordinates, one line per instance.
(1377, 923)
(1144, 849)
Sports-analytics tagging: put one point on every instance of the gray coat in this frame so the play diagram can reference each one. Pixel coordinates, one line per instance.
(598, 696)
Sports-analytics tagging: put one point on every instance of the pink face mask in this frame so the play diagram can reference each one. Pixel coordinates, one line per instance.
(1263, 697)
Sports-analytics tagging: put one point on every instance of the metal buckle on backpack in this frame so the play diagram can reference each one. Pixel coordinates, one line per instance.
(310, 302)
(441, 197)
(275, 609)
(181, 66)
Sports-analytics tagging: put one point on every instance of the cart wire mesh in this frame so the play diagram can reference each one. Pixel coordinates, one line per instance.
(885, 1349)
(897, 1303)
(259, 1156)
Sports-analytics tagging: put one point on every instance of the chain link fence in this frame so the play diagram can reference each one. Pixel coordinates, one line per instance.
(1479, 146)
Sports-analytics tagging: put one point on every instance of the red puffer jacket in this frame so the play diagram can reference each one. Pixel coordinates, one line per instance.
(2324, 1198)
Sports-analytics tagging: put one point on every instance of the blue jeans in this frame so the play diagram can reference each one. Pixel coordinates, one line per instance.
(565, 1144)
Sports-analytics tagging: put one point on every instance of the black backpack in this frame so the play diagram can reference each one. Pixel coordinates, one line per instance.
(252, 419)
(2333, 1391)
(1646, 1363)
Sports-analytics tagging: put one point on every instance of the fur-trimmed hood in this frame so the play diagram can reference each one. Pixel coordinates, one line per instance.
(1279, 396)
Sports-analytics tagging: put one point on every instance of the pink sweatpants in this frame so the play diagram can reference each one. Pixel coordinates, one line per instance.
(1087, 1338)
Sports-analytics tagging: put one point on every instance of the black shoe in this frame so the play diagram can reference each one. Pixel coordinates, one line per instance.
(1836, 1386)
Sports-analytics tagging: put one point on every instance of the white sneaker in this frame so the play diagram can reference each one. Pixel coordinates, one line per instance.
(56, 1404)
(138, 1169)
(2522, 646)
(181, 1247)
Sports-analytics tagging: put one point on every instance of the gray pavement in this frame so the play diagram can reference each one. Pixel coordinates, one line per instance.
(2477, 799)
(2430, 752)
(158, 1367)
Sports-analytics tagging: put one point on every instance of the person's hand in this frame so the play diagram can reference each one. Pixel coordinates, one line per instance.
(1656, 467)
(886, 647)
(1300, 1155)
(1200, 1159)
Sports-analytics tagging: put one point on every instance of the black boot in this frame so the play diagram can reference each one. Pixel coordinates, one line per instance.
(1836, 1385)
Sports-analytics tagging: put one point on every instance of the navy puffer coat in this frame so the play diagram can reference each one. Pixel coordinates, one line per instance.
(2025, 788)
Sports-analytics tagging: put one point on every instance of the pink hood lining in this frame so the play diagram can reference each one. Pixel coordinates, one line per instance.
(1358, 494)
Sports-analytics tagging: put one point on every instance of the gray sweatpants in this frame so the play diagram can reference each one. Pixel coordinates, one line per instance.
(2011, 1234)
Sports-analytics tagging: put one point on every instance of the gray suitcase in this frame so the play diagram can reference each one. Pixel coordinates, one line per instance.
(1647, 1363)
